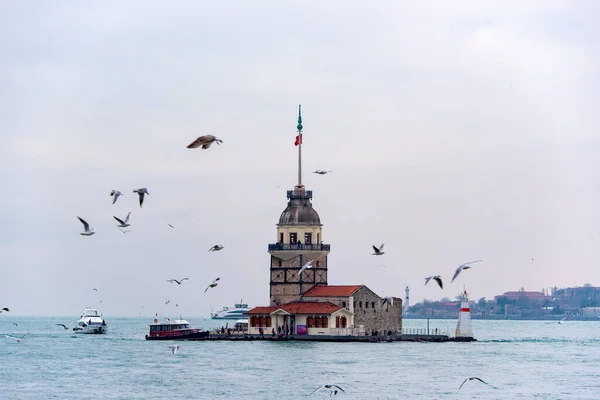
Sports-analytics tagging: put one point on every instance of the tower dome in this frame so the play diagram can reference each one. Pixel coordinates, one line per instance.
(299, 210)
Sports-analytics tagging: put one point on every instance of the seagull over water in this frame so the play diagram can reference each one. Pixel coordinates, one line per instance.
(63, 325)
(115, 195)
(333, 389)
(141, 192)
(123, 223)
(436, 278)
(321, 172)
(86, 227)
(378, 251)
(4, 309)
(217, 247)
(174, 348)
(204, 141)
(212, 285)
(178, 282)
(466, 265)
(470, 379)
(18, 339)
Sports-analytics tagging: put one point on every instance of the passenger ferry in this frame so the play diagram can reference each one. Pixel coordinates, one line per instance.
(239, 311)
(178, 329)
(91, 322)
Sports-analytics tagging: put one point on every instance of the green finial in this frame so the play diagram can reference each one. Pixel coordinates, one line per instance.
(299, 117)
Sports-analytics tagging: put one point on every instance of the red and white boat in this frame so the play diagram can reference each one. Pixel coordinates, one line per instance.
(178, 329)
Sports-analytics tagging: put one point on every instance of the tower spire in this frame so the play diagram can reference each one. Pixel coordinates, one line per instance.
(299, 127)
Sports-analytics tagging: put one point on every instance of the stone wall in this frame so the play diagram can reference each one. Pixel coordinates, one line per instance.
(370, 312)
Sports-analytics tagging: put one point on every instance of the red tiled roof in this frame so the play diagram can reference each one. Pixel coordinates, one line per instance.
(331, 291)
(310, 307)
(299, 307)
(263, 310)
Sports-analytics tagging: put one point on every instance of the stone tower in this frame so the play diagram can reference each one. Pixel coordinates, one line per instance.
(299, 240)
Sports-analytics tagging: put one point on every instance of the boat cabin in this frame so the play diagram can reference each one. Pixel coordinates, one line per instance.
(241, 325)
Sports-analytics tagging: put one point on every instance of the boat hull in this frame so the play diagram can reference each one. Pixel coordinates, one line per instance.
(184, 336)
(100, 330)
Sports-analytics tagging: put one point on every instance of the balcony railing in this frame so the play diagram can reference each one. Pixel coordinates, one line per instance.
(296, 247)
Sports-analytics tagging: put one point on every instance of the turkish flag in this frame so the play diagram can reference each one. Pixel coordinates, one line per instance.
(298, 140)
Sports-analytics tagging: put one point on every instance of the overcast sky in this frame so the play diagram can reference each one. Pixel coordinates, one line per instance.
(455, 131)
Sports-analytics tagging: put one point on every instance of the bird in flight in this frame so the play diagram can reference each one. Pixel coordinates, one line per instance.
(470, 379)
(378, 251)
(141, 192)
(436, 278)
(4, 309)
(305, 266)
(204, 141)
(389, 300)
(168, 301)
(63, 325)
(178, 282)
(216, 247)
(95, 289)
(86, 227)
(321, 172)
(466, 265)
(333, 389)
(115, 195)
(18, 339)
(123, 223)
(212, 285)
(174, 348)
(171, 226)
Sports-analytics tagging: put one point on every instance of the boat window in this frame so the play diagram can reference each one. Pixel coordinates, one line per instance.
(187, 325)
(91, 313)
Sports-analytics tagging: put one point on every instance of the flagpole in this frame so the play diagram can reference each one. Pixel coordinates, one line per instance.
(299, 127)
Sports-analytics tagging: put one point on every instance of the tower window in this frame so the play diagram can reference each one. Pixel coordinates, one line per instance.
(318, 238)
(280, 263)
(281, 237)
(360, 304)
(293, 237)
(366, 304)
(307, 238)
(373, 304)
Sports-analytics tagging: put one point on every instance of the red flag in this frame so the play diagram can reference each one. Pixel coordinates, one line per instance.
(298, 140)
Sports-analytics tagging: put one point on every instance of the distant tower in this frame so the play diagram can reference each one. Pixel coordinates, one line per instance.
(464, 328)
(406, 300)
(299, 240)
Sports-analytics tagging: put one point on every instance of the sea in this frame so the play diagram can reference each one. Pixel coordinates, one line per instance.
(517, 359)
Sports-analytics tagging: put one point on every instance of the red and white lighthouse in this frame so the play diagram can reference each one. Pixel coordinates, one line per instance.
(464, 328)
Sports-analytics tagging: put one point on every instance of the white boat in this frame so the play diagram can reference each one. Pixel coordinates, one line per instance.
(90, 322)
(239, 311)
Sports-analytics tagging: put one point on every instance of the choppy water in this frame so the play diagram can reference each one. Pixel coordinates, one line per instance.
(519, 359)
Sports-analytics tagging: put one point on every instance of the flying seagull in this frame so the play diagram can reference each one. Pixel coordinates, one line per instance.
(466, 265)
(470, 379)
(378, 251)
(4, 309)
(123, 223)
(86, 226)
(320, 172)
(204, 141)
(212, 285)
(333, 389)
(168, 301)
(174, 348)
(178, 282)
(305, 266)
(115, 195)
(141, 192)
(171, 226)
(388, 300)
(436, 278)
(216, 247)
(63, 325)
(18, 339)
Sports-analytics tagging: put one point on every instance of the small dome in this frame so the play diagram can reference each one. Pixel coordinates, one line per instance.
(299, 212)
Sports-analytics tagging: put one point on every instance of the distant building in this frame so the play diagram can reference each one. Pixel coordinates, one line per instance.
(516, 295)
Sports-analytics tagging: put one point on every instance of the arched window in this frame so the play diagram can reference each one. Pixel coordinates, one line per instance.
(337, 321)
(317, 322)
(343, 322)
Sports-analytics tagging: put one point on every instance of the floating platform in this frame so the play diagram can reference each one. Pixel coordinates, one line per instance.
(328, 338)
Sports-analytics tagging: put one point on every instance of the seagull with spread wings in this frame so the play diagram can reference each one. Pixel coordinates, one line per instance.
(141, 192)
(115, 195)
(333, 389)
(63, 325)
(123, 223)
(178, 281)
(4, 309)
(205, 141)
(378, 251)
(212, 285)
(18, 339)
(470, 379)
(86, 227)
(217, 247)
(321, 172)
(436, 278)
(466, 265)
